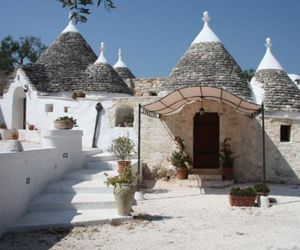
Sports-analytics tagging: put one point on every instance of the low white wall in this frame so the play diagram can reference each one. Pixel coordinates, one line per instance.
(41, 166)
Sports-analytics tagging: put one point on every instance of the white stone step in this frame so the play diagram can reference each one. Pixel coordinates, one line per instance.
(64, 201)
(206, 177)
(103, 165)
(66, 218)
(91, 151)
(89, 174)
(74, 186)
(105, 156)
(204, 183)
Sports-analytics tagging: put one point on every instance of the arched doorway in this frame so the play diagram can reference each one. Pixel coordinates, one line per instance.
(19, 109)
(206, 141)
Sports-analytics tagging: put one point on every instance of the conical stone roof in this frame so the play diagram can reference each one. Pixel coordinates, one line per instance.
(101, 76)
(61, 66)
(66, 60)
(208, 63)
(272, 85)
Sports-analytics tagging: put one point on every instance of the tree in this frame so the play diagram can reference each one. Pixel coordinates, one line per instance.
(81, 8)
(249, 73)
(15, 52)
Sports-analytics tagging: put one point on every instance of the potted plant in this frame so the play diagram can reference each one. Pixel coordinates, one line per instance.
(65, 122)
(123, 190)
(14, 134)
(78, 93)
(123, 148)
(261, 190)
(180, 160)
(226, 160)
(242, 196)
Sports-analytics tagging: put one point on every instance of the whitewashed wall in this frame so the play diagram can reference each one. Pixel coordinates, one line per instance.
(49, 166)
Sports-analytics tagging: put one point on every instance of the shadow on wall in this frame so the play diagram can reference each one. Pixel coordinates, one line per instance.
(278, 169)
(1, 116)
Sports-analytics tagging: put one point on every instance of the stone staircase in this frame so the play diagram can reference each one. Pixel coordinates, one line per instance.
(79, 198)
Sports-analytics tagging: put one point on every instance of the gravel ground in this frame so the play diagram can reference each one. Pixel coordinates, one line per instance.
(182, 218)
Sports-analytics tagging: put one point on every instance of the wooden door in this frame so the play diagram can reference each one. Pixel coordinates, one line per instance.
(206, 141)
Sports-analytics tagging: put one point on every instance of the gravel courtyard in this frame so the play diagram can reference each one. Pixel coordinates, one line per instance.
(182, 218)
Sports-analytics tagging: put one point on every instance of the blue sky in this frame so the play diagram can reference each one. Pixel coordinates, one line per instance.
(155, 34)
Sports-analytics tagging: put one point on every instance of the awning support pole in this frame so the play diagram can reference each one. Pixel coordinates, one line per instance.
(139, 145)
(263, 144)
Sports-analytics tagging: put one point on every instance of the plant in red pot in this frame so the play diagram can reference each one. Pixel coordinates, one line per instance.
(180, 160)
(123, 148)
(65, 122)
(242, 197)
(226, 160)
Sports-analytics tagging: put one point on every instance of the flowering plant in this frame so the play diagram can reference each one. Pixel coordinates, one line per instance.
(179, 158)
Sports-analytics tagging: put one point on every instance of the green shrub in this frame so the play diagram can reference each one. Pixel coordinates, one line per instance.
(261, 188)
(243, 192)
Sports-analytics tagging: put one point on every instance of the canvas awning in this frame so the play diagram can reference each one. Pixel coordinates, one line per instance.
(175, 100)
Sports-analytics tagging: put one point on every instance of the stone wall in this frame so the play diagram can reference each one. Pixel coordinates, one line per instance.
(142, 87)
(282, 158)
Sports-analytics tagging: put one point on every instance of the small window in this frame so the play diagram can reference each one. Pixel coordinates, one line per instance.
(124, 117)
(152, 93)
(285, 133)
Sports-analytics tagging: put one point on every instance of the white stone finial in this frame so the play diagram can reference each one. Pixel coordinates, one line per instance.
(269, 61)
(120, 63)
(120, 54)
(268, 43)
(206, 35)
(71, 26)
(101, 58)
(206, 17)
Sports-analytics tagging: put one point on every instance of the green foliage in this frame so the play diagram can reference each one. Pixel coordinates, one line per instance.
(226, 158)
(249, 73)
(126, 177)
(67, 118)
(122, 147)
(261, 188)
(179, 158)
(243, 192)
(81, 8)
(16, 52)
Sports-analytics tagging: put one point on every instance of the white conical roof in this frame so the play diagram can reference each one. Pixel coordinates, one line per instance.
(206, 35)
(120, 63)
(71, 26)
(101, 58)
(269, 61)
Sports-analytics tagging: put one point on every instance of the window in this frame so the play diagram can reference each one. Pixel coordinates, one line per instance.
(152, 93)
(285, 133)
(124, 117)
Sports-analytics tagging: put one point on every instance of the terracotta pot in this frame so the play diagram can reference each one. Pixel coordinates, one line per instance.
(242, 201)
(124, 196)
(30, 126)
(227, 173)
(181, 173)
(122, 165)
(80, 93)
(63, 124)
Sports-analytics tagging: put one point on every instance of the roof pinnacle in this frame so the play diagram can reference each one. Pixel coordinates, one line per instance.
(268, 43)
(206, 17)
(120, 63)
(71, 26)
(206, 34)
(269, 61)
(101, 58)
